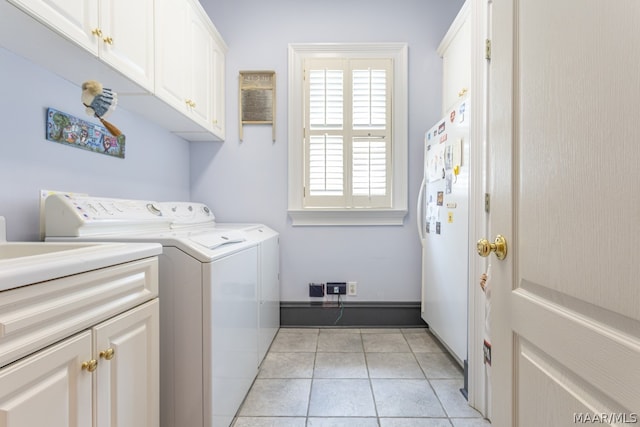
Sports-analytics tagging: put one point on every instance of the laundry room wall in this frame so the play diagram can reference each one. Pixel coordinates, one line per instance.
(156, 163)
(246, 181)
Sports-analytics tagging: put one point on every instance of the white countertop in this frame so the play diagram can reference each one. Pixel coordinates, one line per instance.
(25, 263)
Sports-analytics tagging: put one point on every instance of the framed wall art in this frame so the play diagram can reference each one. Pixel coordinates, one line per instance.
(257, 99)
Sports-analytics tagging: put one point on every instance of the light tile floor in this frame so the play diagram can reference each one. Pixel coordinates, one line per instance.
(357, 378)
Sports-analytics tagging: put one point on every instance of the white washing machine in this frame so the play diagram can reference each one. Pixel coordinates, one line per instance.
(219, 296)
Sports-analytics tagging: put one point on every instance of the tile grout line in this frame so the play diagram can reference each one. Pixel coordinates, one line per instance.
(373, 394)
(428, 381)
(313, 376)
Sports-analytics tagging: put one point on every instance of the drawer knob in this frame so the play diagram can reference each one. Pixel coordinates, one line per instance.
(90, 366)
(108, 354)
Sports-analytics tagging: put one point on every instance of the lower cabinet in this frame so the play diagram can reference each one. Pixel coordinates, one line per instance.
(49, 388)
(104, 376)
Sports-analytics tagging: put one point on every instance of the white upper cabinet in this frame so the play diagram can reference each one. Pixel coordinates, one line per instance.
(190, 64)
(171, 57)
(200, 76)
(74, 19)
(120, 32)
(218, 79)
(168, 51)
(455, 50)
(126, 38)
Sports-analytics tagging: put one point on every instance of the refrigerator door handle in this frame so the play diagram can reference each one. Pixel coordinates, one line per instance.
(420, 210)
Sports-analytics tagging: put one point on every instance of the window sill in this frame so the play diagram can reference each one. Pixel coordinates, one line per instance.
(319, 217)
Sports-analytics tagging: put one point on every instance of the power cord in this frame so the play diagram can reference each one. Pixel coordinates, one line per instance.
(341, 306)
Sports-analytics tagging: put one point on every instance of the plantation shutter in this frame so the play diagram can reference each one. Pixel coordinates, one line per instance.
(348, 133)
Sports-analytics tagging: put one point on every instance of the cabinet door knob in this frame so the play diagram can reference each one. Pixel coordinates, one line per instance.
(97, 32)
(90, 365)
(108, 354)
(108, 40)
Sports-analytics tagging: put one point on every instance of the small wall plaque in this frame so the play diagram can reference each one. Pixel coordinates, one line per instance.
(257, 99)
(70, 130)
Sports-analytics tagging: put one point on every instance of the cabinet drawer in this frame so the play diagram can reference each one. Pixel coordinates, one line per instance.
(34, 316)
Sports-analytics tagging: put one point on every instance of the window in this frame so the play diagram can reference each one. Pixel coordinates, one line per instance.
(347, 134)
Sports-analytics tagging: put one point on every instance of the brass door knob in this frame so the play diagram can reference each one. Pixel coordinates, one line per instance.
(90, 366)
(108, 354)
(499, 246)
(108, 40)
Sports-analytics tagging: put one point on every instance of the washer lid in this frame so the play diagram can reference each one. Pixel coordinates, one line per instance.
(216, 239)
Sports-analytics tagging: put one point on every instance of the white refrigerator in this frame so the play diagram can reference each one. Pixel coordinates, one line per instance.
(443, 224)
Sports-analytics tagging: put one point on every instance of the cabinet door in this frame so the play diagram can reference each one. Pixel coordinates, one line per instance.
(217, 103)
(171, 37)
(49, 388)
(126, 347)
(74, 19)
(126, 40)
(201, 69)
(456, 61)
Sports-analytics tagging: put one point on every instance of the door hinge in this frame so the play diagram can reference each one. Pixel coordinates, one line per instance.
(487, 49)
(487, 202)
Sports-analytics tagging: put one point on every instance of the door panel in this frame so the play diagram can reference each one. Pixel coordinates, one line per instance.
(576, 146)
(130, 373)
(564, 152)
(127, 39)
(49, 388)
(74, 19)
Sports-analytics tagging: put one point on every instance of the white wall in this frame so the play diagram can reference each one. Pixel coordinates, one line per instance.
(156, 163)
(246, 181)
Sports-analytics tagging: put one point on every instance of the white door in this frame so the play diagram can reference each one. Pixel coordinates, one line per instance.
(172, 45)
(564, 177)
(201, 50)
(126, 42)
(127, 347)
(75, 19)
(50, 387)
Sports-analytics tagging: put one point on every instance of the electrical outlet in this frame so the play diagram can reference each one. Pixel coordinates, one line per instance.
(316, 290)
(336, 288)
(352, 289)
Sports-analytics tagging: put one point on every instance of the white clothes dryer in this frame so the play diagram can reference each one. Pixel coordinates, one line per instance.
(219, 296)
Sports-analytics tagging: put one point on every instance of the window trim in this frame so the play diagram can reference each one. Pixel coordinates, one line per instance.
(399, 192)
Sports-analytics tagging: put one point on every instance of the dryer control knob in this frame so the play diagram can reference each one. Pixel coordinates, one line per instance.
(154, 209)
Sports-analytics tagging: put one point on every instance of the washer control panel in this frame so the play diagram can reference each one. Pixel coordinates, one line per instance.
(81, 215)
(186, 213)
